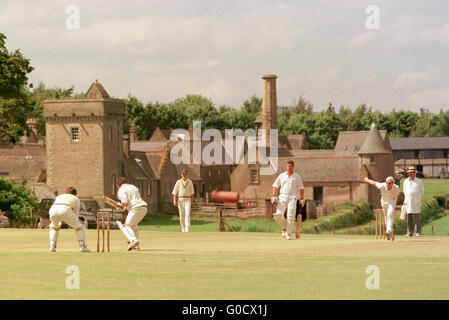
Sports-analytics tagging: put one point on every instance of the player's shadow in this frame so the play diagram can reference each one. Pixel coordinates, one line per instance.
(173, 220)
(158, 250)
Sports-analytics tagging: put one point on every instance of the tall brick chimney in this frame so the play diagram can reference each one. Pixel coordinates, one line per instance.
(269, 105)
(132, 133)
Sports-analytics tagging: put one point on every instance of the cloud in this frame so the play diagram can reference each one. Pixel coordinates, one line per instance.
(410, 78)
(431, 98)
(362, 39)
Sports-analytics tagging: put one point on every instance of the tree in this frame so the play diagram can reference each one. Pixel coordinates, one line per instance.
(16, 201)
(41, 93)
(440, 125)
(303, 106)
(235, 119)
(252, 107)
(14, 102)
(199, 108)
(169, 118)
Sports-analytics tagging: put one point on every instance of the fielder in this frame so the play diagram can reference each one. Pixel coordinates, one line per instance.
(184, 191)
(288, 184)
(389, 195)
(66, 208)
(130, 199)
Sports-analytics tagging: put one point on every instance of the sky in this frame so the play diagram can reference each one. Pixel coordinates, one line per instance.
(160, 50)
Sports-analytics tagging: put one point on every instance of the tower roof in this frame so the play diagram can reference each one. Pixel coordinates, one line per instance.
(96, 91)
(373, 143)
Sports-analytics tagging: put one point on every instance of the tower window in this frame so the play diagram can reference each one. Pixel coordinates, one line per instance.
(254, 176)
(75, 135)
(110, 134)
(372, 159)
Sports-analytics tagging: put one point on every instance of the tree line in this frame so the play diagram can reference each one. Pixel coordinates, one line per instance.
(20, 101)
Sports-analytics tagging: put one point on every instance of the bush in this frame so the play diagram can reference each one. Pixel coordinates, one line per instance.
(441, 199)
(17, 202)
(431, 210)
(349, 214)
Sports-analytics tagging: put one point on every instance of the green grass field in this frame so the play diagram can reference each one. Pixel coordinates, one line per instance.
(226, 265)
(440, 227)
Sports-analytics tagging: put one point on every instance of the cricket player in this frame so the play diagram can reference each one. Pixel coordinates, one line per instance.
(389, 195)
(66, 208)
(287, 184)
(183, 193)
(130, 199)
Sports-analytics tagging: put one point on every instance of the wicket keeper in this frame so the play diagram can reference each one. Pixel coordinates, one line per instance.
(66, 208)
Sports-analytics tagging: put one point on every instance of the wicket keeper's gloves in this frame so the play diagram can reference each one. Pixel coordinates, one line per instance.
(274, 199)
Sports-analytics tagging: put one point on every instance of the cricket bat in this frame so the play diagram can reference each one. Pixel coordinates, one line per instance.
(110, 202)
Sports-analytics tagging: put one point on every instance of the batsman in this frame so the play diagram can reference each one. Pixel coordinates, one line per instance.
(130, 199)
(287, 184)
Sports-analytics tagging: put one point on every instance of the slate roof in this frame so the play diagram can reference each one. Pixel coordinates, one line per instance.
(419, 143)
(325, 169)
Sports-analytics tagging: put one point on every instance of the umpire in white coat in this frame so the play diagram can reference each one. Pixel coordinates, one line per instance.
(413, 189)
(288, 184)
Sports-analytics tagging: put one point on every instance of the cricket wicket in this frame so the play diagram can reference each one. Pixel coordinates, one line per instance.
(102, 214)
(380, 224)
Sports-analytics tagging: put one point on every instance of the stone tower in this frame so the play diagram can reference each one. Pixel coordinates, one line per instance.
(377, 163)
(84, 142)
(269, 105)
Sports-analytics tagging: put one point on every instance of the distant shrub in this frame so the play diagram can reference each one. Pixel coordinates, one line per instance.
(348, 214)
(17, 201)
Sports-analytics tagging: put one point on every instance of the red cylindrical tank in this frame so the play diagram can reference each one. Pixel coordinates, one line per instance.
(225, 196)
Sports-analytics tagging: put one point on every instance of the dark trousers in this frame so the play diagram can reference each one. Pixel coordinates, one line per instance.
(413, 217)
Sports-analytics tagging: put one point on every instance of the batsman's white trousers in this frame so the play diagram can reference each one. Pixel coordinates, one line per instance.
(288, 203)
(184, 205)
(388, 208)
(62, 213)
(130, 229)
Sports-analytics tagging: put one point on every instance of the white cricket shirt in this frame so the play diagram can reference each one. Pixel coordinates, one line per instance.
(130, 194)
(69, 200)
(388, 196)
(289, 186)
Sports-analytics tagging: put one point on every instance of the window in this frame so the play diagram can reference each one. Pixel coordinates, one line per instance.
(318, 193)
(140, 186)
(254, 176)
(75, 135)
(114, 184)
(372, 159)
(149, 188)
(110, 134)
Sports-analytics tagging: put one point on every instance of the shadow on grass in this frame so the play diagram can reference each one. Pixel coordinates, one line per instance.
(158, 250)
(159, 219)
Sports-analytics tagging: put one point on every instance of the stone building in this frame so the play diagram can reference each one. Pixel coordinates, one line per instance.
(86, 148)
(329, 176)
(429, 155)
